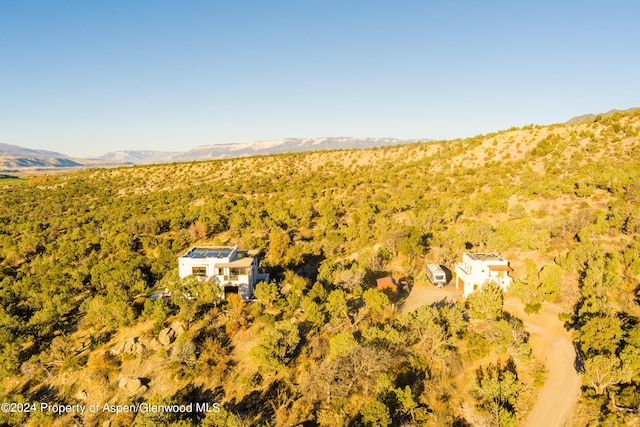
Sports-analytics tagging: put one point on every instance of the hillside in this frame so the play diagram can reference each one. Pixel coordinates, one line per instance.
(323, 347)
(589, 117)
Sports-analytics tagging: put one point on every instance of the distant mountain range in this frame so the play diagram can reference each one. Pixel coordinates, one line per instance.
(14, 158)
(222, 151)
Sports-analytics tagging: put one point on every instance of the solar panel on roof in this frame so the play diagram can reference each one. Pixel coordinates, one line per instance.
(203, 252)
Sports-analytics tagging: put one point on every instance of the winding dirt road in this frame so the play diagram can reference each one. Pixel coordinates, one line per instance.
(550, 342)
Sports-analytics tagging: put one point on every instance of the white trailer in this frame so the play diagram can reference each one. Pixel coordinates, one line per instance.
(436, 275)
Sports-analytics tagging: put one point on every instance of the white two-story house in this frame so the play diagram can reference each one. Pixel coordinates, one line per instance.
(477, 269)
(232, 269)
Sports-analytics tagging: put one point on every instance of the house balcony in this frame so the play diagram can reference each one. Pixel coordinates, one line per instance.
(231, 279)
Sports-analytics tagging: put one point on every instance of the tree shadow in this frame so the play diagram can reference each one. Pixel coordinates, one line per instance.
(461, 422)
(444, 302)
(47, 393)
(192, 394)
(258, 405)
(249, 407)
(413, 378)
(578, 362)
(309, 266)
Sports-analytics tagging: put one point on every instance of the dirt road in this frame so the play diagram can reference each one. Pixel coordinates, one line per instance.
(550, 342)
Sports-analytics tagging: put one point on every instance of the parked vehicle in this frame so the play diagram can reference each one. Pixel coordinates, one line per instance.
(436, 275)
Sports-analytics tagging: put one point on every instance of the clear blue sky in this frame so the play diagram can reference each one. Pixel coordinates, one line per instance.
(88, 77)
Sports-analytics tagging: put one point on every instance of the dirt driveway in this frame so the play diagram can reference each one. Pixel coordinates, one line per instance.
(424, 293)
(552, 344)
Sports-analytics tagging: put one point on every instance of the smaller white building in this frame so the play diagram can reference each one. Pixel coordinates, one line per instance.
(477, 269)
(232, 269)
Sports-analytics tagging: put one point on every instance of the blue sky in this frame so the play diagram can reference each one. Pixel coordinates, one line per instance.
(85, 78)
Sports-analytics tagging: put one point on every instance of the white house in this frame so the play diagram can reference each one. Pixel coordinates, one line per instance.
(232, 269)
(477, 269)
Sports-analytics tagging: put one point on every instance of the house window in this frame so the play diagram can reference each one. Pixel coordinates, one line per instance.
(200, 271)
(238, 271)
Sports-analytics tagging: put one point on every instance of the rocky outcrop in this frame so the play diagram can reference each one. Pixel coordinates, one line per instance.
(167, 336)
(131, 385)
(130, 346)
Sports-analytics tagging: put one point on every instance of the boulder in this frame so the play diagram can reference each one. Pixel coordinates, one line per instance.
(117, 349)
(129, 345)
(150, 343)
(167, 336)
(130, 385)
(177, 327)
(154, 344)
